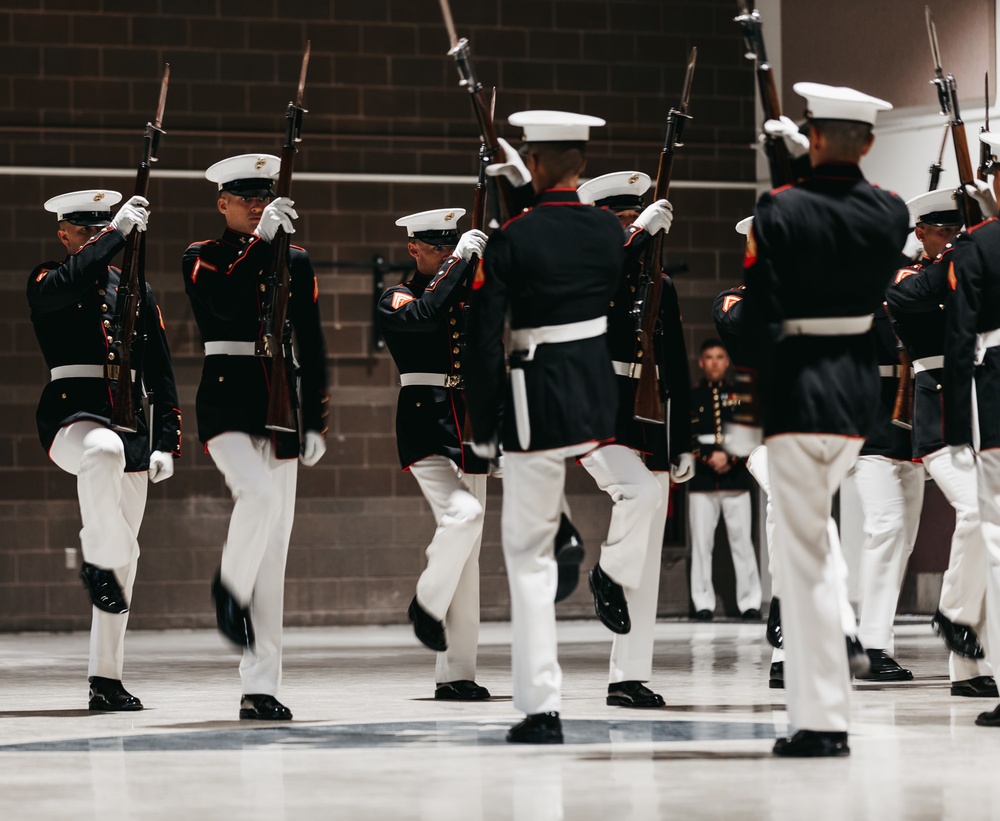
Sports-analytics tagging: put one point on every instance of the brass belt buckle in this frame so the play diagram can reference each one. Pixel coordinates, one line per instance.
(111, 372)
(453, 380)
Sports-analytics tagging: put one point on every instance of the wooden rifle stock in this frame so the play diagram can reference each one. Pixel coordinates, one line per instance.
(132, 284)
(648, 405)
(902, 409)
(275, 339)
(778, 159)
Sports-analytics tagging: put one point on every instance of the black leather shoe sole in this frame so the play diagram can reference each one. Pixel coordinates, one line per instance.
(609, 601)
(812, 744)
(655, 702)
(537, 729)
(105, 592)
(569, 552)
(102, 705)
(774, 624)
(426, 628)
(990, 719)
(232, 619)
(461, 691)
(978, 687)
(959, 638)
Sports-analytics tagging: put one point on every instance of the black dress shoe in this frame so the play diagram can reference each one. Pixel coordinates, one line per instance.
(990, 719)
(960, 638)
(461, 690)
(858, 659)
(105, 592)
(753, 614)
(428, 629)
(540, 728)
(232, 618)
(633, 694)
(777, 679)
(703, 615)
(263, 707)
(884, 668)
(978, 687)
(812, 744)
(609, 601)
(569, 554)
(108, 695)
(774, 624)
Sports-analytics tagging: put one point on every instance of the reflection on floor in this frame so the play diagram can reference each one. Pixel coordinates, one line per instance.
(369, 742)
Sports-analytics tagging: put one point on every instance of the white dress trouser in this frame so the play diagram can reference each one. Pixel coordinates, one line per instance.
(253, 557)
(963, 588)
(112, 503)
(806, 470)
(620, 472)
(704, 508)
(632, 653)
(988, 475)
(448, 588)
(533, 485)
(891, 493)
(757, 465)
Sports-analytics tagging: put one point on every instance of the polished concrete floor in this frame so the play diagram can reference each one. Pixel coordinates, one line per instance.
(369, 742)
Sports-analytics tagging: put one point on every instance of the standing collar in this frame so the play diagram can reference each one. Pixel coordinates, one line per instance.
(558, 196)
(838, 171)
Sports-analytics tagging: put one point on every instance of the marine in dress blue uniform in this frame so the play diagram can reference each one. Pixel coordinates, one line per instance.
(819, 383)
(644, 456)
(225, 279)
(915, 300)
(554, 268)
(73, 312)
(721, 486)
(422, 321)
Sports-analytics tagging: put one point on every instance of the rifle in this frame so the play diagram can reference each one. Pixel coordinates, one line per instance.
(275, 339)
(482, 107)
(987, 162)
(132, 283)
(646, 309)
(948, 98)
(778, 159)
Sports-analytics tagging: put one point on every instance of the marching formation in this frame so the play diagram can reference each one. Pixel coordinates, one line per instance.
(550, 330)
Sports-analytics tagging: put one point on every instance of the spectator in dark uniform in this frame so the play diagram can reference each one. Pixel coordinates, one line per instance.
(647, 453)
(69, 300)
(555, 268)
(971, 384)
(422, 322)
(225, 281)
(721, 486)
(916, 298)
(819, 384)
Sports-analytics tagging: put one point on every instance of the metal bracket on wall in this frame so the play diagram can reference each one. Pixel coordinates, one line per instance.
(379, 270)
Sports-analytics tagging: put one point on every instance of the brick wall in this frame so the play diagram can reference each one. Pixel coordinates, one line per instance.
(78, 80)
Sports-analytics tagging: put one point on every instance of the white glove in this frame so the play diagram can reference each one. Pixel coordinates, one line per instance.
(132, 214)
(161, 466)
(496, 467)
(784, 127)
(982, 193)
(278, 214)
(683, 470)
(656, 217)
(471, 243)
(313, 448)
(512, 166)
(962, 456)
(485, 450)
